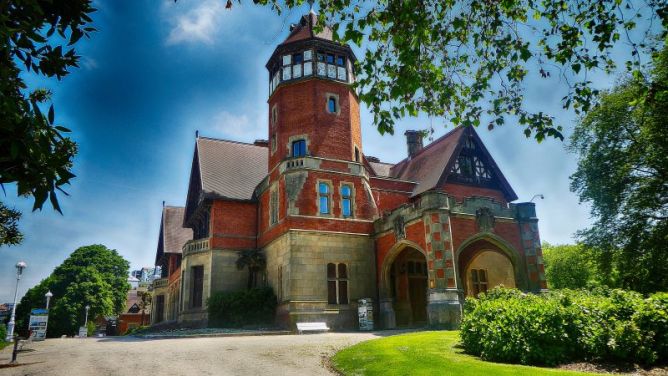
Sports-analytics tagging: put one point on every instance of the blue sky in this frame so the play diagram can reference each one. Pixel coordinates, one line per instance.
(155, 72)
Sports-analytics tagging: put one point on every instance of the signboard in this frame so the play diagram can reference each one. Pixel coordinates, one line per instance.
(83, 332)
(365, 313)
(37, 324)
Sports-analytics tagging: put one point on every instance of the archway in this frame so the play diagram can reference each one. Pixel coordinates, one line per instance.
(407, 280)
(485, 263)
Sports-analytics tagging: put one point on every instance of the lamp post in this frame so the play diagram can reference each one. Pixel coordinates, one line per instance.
(12, 321)
(48, 298)
(86, 322)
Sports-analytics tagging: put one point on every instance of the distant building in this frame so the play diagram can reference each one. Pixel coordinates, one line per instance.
(336, 225)
(133, 315)
(134, 282)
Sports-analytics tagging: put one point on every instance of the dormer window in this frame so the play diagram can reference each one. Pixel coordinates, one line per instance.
(298, 148)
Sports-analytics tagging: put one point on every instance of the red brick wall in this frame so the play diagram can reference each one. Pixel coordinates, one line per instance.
(460, 192)
(302, 109)
(233, 224)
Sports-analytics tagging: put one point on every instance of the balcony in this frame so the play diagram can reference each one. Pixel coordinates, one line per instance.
(160, 283)
(195, 246)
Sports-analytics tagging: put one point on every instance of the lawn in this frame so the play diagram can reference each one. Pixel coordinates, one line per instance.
(424, 353)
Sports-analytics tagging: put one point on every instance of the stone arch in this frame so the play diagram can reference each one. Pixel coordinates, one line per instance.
(384, 282)
(490, 242)
(388, 316)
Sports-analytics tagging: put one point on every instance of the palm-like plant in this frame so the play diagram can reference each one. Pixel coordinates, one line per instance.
(254, 260)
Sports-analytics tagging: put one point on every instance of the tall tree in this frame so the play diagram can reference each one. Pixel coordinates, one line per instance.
(36, 36)
(255, 262)
(93, 275)
(622, 149)
(467, 61)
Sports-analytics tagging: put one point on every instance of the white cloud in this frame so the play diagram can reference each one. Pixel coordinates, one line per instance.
(88, 63)
(198, 24)
(239, 127)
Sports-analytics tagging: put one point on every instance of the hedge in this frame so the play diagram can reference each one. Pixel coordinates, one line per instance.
(3, 332)
(251, 307)
(506, 325)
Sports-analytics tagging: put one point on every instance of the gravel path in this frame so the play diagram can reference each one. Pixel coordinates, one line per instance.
(251, 355)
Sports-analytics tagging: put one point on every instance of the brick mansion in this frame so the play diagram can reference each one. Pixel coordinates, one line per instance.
(336, 225)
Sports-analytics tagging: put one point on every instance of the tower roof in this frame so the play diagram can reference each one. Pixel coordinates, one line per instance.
(304, 29)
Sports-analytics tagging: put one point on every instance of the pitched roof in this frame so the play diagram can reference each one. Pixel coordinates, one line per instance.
(230, 169)
(431, 166)
(381, 168)
(172, 233)
(304, 30)
(427, 166)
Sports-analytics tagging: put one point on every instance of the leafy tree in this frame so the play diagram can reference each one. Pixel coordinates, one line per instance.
(254, 260)
(570, 266)
(467, 61)
(622, 149)
(9, 226)
(34, 153)
(93, 275)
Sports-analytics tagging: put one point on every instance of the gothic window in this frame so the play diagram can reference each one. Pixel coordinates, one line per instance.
(197, 286)
(478, 281)
(324, 198)
(346, 200)
(337, 283)
(299, 148)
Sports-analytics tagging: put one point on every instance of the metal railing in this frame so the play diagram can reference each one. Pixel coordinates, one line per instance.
(160, 283)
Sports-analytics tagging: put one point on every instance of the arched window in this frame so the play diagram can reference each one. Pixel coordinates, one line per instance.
(299, 148)
(346, 200)
(324, 198)
(337, 283)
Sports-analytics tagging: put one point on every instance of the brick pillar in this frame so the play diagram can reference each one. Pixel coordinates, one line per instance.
(533, 255)
(444, 307)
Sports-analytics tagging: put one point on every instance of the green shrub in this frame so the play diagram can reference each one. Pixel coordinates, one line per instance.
(3, 332)
(256, 306)
(566, 325)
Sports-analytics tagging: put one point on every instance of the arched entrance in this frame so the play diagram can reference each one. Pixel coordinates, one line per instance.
(485, 264)
(404, 286)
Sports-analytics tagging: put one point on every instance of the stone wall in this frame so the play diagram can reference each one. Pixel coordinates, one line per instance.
(297, 270)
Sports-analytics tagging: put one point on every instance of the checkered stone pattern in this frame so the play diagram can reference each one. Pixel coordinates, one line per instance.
(439, 250)
(534, 256)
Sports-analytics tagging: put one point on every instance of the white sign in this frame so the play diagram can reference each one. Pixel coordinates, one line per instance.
(37, 327)
(83, 332)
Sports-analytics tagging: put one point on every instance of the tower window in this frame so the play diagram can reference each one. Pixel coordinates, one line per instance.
(330, 59)
(357, 154)
(346, 201)
(274, 115)
(273, 207)
(331, 105)
(273, 143)
(324, 198)
(337, 283)
(299, 148)
(340, 61)
(297, 58)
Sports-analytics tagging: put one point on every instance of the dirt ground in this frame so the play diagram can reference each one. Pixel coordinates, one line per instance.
(251, 355)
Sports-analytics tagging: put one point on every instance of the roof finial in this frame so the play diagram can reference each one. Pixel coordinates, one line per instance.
(163, 203)
(196, 133)
(310, 3)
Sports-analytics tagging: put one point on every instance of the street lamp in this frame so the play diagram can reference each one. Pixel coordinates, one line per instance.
(12, 321)
(48, 298)
(86, 322)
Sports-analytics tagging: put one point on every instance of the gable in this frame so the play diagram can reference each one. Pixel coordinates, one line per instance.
(472, 164)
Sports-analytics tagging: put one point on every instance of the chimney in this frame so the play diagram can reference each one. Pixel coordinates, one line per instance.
(259, 142)
(414, 142)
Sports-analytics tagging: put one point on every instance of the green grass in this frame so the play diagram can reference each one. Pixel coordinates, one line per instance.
(424, 353)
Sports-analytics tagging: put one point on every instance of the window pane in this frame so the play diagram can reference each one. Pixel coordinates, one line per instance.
(324, 188)
(343, 271)
(345, 191)
(331, 292)
(324, 205)
(411, 267)
(297, 58)
(330, 59)
(345, 207)
(307, 55)
(286, 60)
(331, 105)
(343, 292)
(483, 275)
(331, 271)
(474, 275)
(340, 61)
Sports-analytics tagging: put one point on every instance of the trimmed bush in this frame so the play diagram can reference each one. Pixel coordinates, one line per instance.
(561, 326)
(251, 307)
